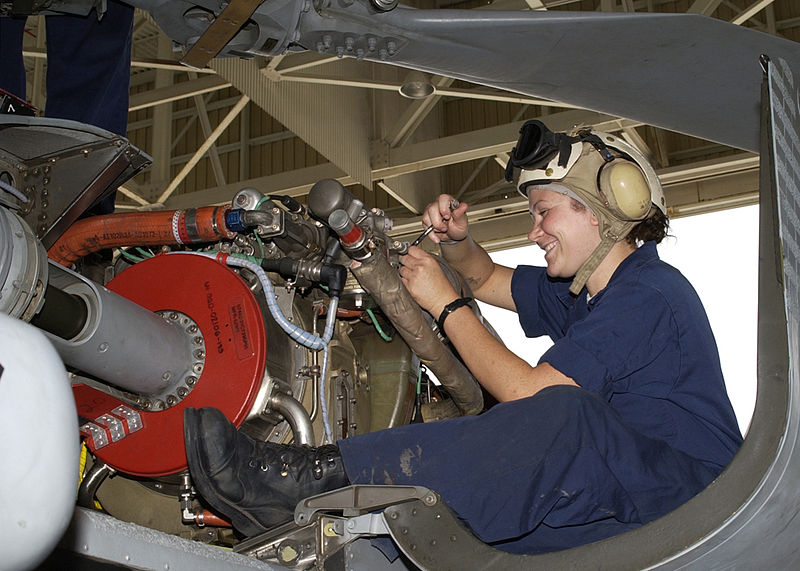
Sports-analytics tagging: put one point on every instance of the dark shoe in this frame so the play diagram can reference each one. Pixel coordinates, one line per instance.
(256, 484)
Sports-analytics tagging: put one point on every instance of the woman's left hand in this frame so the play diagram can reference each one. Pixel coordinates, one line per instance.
(425, 281)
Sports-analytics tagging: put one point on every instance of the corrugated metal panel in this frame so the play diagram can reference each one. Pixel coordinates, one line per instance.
(334, 120)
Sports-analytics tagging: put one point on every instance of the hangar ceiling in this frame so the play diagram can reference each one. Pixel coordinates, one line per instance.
(280, 124)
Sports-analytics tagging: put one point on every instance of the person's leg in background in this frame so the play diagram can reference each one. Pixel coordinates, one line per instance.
(88, 72)
(12, 67)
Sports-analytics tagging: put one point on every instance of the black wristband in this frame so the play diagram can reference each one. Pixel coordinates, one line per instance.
(450, 308)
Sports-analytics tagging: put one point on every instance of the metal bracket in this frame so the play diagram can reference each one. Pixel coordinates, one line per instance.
(360, 499)
(367, 524)
(220, 32)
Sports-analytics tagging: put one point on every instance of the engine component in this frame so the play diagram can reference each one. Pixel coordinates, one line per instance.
(23, 268)
(104, 346)
(228, 319)
(173, 330)
(363, 239)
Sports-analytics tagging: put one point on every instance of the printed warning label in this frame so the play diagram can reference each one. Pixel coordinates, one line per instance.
(239, 329)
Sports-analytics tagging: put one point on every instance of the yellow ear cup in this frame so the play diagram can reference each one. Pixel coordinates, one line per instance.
(628, 185)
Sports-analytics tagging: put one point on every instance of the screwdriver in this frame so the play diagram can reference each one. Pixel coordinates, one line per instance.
(453, 205)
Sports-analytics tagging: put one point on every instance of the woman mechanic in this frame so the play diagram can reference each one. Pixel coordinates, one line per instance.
(624, 418)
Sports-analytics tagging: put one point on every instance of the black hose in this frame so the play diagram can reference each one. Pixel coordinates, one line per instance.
(332, 276)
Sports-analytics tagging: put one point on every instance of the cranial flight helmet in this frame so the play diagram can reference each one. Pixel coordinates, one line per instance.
(601, 171)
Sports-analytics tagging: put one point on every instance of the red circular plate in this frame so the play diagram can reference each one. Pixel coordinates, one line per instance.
(225, 310)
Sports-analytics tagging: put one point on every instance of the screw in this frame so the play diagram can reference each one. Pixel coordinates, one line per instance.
(429, 500)
(191, 381)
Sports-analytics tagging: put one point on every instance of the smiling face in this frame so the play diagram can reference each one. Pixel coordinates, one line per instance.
(565, 230)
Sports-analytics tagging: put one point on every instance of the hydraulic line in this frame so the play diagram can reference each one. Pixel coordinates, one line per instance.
(190, 226)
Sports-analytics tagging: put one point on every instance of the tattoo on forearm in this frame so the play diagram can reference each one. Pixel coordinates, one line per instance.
(473, 281)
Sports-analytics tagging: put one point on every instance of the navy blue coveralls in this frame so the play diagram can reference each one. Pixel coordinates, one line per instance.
(648, 428)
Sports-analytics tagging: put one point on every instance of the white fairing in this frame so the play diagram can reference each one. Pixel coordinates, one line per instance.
(39, 447)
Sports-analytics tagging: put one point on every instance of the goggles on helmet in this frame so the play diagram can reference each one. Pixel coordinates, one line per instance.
(545, 156)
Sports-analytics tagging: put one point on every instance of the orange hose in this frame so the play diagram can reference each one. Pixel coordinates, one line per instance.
(348, 313)
(190, 226)
(208, 518)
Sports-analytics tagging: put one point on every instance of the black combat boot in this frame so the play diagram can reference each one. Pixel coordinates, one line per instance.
(256, 484)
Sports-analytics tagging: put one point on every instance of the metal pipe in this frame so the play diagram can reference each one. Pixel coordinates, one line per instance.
(105, 347)
(88, 488)
(296, 416)
(383, 283)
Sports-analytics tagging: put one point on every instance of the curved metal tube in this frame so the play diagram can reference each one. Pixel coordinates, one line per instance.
(383, 283)
(296, 416)
(88, 488)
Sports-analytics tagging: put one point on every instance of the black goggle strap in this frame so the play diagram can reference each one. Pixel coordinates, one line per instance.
(599, 145)
(510, 168)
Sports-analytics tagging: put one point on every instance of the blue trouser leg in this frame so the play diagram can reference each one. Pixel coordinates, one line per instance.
(88, 67)
(12, 67)
(88, 71)
(548, 472)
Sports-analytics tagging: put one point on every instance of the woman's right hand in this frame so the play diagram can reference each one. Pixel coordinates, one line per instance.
(448, 217)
